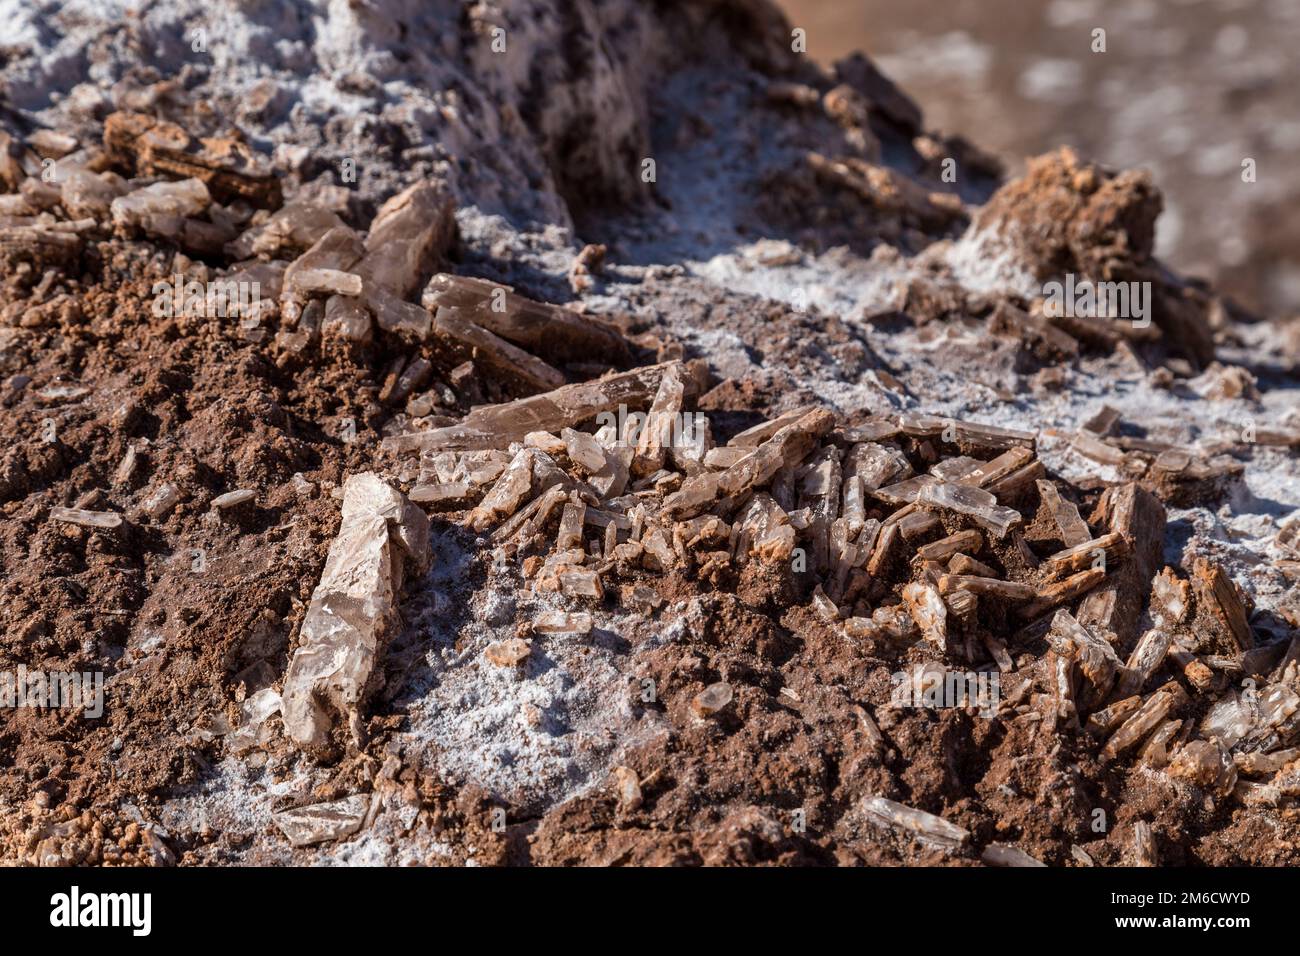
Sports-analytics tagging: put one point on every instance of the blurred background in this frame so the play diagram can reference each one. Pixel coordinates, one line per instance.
(1187, 89)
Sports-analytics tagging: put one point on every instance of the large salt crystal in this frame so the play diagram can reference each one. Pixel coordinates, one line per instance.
(583, 450)
(553, 332)
(86, 194)
(188, 197)
(323, 821)
(929, 612)
(926, 827)
(974, 502)
(562, 622)
(339, 250)
(1277, 703)
(292, 229)
(88, 519)
(508, 493)
(1229, 719)
(496, 426)
(353, 609)
(328, 281)
(1205, 764)
(712, 699)
(664, 415)
(254, 729)
(411, 231)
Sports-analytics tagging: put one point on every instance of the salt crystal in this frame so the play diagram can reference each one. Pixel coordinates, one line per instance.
(453, 493)
(232, 499)
(562, 622)
(508, 653)
(924, 826)
(539, 327)
(571, 523)
(974, 502)
(583, 450)
(753, 437)
(409, 234)
(662, 419)
(580, 582)
(496, 426)
(89, 519)
(659, 556)
(353, 608)
(969, 541)
(712, 699)
(188, 197)
(628, 788)
(1229, 719)
(163, 499)
(320, 822)
(929, 612)
(1008, 590)
(1074, 530)
(1105, 550)
(331, 281)
(508, 493)
(1205, 764)
(876, 465)
(545, 441)
(1003, 854)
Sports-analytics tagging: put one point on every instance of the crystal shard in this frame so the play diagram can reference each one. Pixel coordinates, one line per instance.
(553, 331)
(712, 699)
(979, 505)
(924, 826)
(320, 822)
(496, 426)
(352, 611)
(189, 197)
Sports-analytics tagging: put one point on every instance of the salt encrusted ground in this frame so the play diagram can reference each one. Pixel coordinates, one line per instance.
(707, 264)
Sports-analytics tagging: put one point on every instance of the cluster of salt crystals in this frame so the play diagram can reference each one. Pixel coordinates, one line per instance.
(196, 193)
(382, 536)
(364, 281)
(623, 504)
